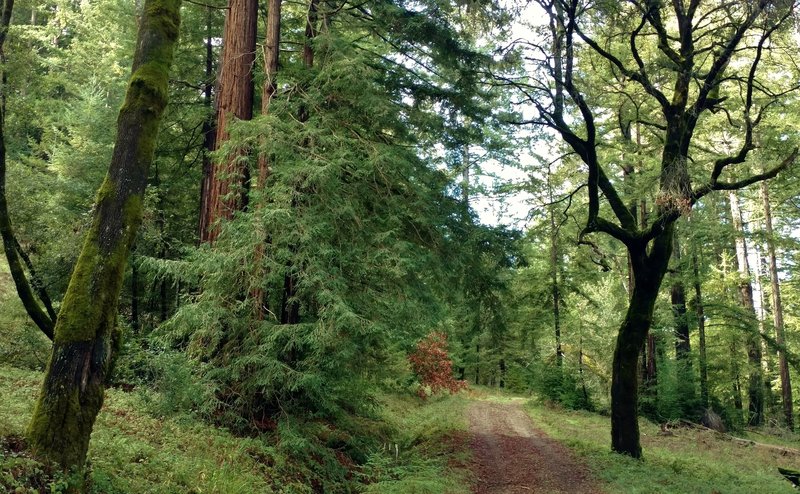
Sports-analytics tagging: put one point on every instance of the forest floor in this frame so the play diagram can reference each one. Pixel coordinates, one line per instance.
(511, 456)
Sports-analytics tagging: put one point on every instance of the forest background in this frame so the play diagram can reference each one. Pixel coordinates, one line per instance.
(309, 218)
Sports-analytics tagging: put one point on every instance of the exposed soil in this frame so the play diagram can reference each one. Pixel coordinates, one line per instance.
(511, 456)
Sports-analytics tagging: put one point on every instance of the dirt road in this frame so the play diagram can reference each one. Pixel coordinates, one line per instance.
(511, 456)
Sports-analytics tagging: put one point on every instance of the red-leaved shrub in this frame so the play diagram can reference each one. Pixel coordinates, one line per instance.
(432, 365)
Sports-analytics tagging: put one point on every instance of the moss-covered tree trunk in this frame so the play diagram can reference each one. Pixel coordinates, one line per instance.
(85, 332)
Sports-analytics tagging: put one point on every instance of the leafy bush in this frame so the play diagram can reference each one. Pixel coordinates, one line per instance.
(557, 384)
(432, 365)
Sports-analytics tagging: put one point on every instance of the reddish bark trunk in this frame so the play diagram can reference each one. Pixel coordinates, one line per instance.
(228, 180)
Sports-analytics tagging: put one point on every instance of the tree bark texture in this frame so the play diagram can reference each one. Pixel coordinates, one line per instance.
(777, 311)
(227, 187)
(271, 57)
(678, 299)
(271, 49)
(290, 306)
(554, 271)
(85, 333)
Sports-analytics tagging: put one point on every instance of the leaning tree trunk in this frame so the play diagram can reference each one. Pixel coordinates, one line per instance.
(85, 333)
(25, 290)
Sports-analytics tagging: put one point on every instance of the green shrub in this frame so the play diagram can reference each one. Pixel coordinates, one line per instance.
(559, 385)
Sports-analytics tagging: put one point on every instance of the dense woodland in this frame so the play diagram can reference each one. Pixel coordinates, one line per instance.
(254, 212)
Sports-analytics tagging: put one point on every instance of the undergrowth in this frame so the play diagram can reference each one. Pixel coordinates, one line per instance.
(407, 446)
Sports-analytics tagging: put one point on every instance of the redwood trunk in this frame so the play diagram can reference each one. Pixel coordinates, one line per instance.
(206, 183)
(271, 58)
(227, 188)
(290, 306)
(85, 334)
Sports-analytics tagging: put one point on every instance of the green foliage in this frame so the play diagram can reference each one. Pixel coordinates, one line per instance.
(133, 452)
(558, 384)
(22, 344)
(22, 474)
(352, 217)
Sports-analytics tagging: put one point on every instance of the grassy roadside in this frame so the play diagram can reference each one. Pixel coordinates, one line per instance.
(411, 447)
(428, 452)
(133, 452)
(688, 460)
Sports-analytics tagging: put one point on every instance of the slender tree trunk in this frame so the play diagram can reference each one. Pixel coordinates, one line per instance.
(271, 58)
(209, 132)
(651, 368)
(755, 389)
(290, 306)
(580, 370)
(777, 312)
(36, 282)
(678, 298)
(25, 292)
(477, 364)
(554, 269)
(271, 49)
(701, 331)
(465, 178)
(229, 180)
(86, 336)
(685, 385)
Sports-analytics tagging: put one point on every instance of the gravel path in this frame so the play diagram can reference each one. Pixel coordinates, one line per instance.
(511, 456)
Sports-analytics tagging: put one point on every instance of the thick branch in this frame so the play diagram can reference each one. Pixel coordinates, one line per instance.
(721, 61)
(771, 173)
